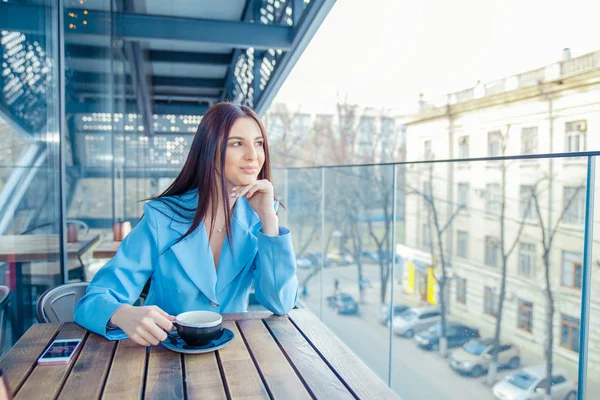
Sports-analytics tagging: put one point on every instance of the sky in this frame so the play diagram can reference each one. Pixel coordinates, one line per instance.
(383, 53)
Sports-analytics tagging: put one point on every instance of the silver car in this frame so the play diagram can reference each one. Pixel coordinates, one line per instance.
(384, 313)
(415, 320)
(530, 384)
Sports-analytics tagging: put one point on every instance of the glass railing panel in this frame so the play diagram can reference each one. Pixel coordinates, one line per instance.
(475, 238)
(357, 247)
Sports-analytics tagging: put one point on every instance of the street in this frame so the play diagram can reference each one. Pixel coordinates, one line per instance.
(416, 374)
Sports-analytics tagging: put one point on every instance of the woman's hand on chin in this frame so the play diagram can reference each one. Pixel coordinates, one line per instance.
(260, 196)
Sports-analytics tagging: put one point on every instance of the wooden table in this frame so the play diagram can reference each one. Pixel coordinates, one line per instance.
(287, 357)
(21, 249)
(106, 249)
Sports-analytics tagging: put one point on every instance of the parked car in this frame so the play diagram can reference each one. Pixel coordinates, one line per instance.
(531, 383)
(415, 320)
(372, 256)
(340, 258)
(304, 262)
(316, 258)
(343, 303)
(475, 356)
(385, 310)
(456, 335)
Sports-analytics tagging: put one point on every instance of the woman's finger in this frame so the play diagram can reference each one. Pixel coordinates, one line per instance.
(147, 336)
(244, 190)
(157, 331)
(139, 340)
(162, 319)
(161, 311)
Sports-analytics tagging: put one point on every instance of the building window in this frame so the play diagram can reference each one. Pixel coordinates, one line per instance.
(527, 206)
(525, 321)
(526, 258)
(574, 204)
(277, 130)
(494, 144)
(427, 150)
(301, 124)
(575, 136)
(463, 147)
(569, 333)
(461, 290)
(462, 244)
(426, 236)
(492, 198)
(491, 251)
(463, 195)
(490, 302)
(571, 274)
(529, 141)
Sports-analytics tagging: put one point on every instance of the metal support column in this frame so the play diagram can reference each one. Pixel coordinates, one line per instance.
(584, 328)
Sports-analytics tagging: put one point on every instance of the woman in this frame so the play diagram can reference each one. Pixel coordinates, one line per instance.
(202, 242)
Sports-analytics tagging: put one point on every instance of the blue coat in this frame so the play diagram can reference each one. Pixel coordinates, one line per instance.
(183, 276)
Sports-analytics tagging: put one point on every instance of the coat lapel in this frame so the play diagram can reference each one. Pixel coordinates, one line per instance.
(194, 255)
(243, 247)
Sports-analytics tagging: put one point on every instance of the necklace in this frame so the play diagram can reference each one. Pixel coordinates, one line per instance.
(220, 230)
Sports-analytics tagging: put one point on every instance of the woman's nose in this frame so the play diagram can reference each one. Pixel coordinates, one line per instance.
(251, 153)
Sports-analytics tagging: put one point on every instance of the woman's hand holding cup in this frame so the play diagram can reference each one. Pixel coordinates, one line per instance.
(144, 325)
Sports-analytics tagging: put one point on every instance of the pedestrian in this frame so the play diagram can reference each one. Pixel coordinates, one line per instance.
(336, 286)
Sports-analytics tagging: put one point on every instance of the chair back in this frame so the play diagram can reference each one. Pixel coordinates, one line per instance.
(58, 303)
(5, 298)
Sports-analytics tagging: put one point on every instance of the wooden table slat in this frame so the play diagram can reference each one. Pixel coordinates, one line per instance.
(164, 379)
(278, 357)
(321, 380)
(53, 376)
(22, 357)
(87, 378)
(127, 372)
(202, 376)
(243, 380)
(364, 383)
(282, 380)
(247, 315)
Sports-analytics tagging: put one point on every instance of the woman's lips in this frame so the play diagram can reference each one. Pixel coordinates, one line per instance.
(249, 171)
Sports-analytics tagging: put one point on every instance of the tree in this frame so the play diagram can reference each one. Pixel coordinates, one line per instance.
(547, 236)
(337, 139)
(505, 253)
(439, 226)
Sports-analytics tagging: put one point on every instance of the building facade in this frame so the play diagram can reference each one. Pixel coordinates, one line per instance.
(555, 109)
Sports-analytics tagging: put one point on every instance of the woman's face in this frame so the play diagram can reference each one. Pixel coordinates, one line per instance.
(245, 154)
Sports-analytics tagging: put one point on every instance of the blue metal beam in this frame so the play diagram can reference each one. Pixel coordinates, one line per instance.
(174, 108)
(174, 57)
(102, 78)
(131, 26)
(141, 173)
(219, 60)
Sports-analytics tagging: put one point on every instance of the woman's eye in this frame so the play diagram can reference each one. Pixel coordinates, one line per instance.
(260, 143)
(236, 144)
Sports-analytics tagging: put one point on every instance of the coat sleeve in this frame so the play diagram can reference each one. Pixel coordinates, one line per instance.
(121, 280)
(274, 273)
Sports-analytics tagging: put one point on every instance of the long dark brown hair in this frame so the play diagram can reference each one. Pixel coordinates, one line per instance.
(199, 171)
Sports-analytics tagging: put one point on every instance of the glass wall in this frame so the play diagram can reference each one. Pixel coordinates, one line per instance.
(493, 251)
(30, 201)
(115, 149)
